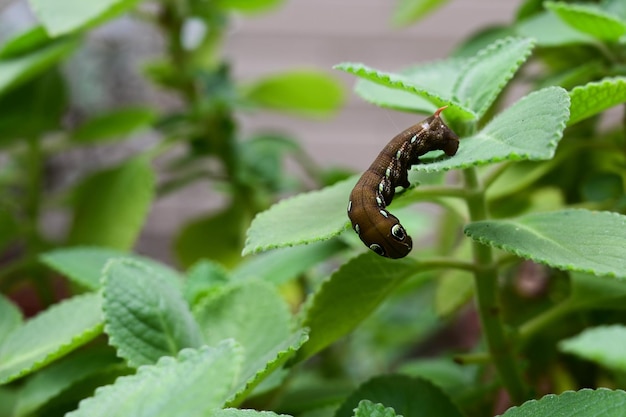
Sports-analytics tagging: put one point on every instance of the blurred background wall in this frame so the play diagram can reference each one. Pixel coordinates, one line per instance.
(299, 34)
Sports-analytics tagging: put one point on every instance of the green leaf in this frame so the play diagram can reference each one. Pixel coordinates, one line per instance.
(529, 129)
(410, 11)
(409, 397)
(42, 101)
(116, 124)
(281, 265)
(17, 70)
(63, 16)
(589, 291)
(602, 345)
(366, 408)
(146, 315)
(84, 265)
(234, 412)
(439, 76)
(308, 93)
(573, 240)
(24, 42)
(487, 73)
(443, 372)
(264, 365)
(250, 6)
(111, 205)
(11, 317)
(61, 376)
(203, 279)
(193, 384)
(50, 335)
(616, 8)
(595, 97)
(454, 290)
(601, 402)
(218, 236)
(350, 295)
(430, 92)
(305, 218)
(589, 19)
(548, 30)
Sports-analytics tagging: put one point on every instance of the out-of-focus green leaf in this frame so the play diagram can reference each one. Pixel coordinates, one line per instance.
(410, 11)
(116, 124)
(250, 6)
(589, 19)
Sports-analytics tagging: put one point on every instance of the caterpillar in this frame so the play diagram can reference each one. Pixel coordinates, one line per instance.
(380, 230)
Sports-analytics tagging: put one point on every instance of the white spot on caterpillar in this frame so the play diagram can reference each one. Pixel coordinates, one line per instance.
(399, 154)
(349, 206)
(357, 229)
(381, 186)
(379, 201)
(388, 172)
(425, 126)
(414, 138)
(384, 213)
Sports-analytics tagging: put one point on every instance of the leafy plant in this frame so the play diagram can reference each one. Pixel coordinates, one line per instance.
(531, 227)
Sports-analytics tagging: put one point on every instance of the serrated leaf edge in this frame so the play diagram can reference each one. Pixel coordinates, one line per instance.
(564, 393)
(583, 89)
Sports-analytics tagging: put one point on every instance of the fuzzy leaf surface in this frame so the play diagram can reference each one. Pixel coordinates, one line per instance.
(305, 218)
(528, 130)
(50, 335)
(83, 265)
(601, 402)
(573, 240)
(487, 73)
(595, 97)
(366, 408)
(112, 205)
(64, 16)
(548, 30)
(602, 345)
(589, 19)
(192, 384)
(146, 315)
(350, 295)
(409, 397)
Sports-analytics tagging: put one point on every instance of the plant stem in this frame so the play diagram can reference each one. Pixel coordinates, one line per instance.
(486, 282)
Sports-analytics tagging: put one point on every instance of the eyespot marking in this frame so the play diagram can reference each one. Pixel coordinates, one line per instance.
(398, 232)
(384, 213)
(378, 249)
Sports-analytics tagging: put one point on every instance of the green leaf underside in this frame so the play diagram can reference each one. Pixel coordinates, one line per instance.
(548, 30)
(439, 76)
(115, 124)
(528, 130)
(351, 293)
(112, 205)
(595, 97)
(15, 71)
(589, 291)
(403, 83)
(53, 333)
(589, 19)
(146, 315)
(83, 265)
(583, 403)
(64, 16)
(485, 75)
(193, 383)
(366, 408)
(603, 345)
(309, 93)
(574, 240)
(11, 317)
(264, 365)
(406, 395)
(305, 218)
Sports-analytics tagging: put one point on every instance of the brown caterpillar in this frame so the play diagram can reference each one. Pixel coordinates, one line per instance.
(380, 230)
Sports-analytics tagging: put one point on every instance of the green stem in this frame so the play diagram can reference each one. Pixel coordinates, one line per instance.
(447, 263)
(489, 309)
(533, 326)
